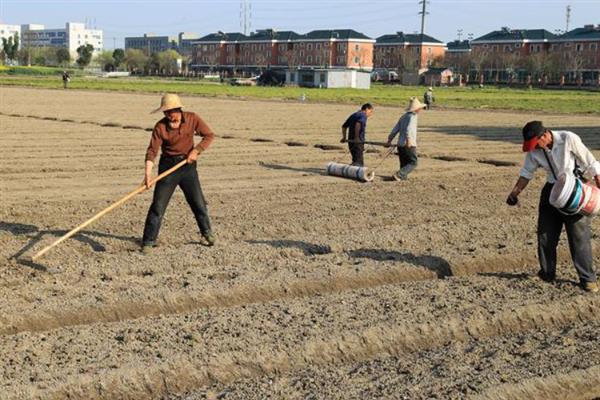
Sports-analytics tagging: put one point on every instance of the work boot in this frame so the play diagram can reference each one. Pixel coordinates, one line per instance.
(146, 249)
(591, 287)
(399, 177)
(210, 238)
(545, 277)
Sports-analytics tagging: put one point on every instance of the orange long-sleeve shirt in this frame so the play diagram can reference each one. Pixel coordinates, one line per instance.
(179, 142)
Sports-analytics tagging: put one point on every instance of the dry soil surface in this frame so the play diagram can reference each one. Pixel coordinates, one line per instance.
(318, 287)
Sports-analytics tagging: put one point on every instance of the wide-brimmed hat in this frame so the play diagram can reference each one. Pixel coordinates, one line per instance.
(429, 88)
(168, 102)
(531, 133)
(414, 105)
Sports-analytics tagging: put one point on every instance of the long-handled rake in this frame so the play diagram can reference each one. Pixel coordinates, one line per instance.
(108, 209)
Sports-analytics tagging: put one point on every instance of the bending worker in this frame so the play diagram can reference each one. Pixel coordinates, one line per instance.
(174, 135)
(407, 141)
(354, 132)
(558, 152)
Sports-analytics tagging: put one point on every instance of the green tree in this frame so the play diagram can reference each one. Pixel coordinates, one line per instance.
(167, 61)
(63, 56)
(10, 46)
(153, 64)
(85, 55)
(135, 60)
(45, 56)
(105, 61)
(118, 56)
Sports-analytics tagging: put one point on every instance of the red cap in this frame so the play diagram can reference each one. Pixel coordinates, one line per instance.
(531, 144)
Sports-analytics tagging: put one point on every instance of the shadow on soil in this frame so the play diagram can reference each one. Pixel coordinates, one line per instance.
(522, 276)
(35, 235)
(315, 171)
(588, 134)
(436, 264)
(309, 249)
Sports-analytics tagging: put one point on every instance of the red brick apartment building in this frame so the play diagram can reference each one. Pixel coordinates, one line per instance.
(407, 52)
(538, 55)
(343, 48)
(579, 51)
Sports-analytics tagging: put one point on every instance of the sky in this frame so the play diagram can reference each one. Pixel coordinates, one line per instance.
(372, 17)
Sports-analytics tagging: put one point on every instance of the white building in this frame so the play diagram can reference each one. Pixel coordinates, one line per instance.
(7, 31)
(328, 78)
(72, 36)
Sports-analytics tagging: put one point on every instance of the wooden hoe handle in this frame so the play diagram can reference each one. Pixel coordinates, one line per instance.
(107, 210)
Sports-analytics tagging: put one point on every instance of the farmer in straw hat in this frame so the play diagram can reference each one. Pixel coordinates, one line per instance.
(558, 152)
(174, 135)
(407, 141)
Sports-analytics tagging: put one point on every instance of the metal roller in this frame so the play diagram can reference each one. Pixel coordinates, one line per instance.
(361, 174)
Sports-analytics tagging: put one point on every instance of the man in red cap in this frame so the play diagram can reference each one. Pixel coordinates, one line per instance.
(558, 152)
(174, 135)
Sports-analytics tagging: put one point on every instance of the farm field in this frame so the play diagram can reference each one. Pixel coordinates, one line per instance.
(318, 287)
(471, 97)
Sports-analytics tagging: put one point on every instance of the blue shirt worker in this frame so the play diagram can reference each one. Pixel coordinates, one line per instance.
(558, 153)
(353, 132)
(407, 141)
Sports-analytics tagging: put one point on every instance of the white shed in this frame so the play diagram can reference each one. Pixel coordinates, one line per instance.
(328, 78)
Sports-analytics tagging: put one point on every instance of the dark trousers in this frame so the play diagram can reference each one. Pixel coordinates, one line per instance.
(408, 160)
(357, 150)
(186, 178)
(550, 224)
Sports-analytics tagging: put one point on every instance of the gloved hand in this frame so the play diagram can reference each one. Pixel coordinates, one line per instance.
(512, 200)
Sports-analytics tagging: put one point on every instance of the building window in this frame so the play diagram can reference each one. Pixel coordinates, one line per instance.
(309, 46)
(322, 77)
(309, 59)
(429, 50)
(579, 47)
(357, 47)
(356, 60)
(318, 46)
(593, 46)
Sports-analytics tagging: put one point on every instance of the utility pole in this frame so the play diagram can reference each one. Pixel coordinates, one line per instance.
(459, 34)
(568, 17)
(423, 13)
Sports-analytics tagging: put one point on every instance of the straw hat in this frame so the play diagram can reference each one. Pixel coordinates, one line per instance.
(168, 102)
(414, 105)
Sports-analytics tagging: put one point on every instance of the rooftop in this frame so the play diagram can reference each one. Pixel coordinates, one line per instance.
(412, 38)
(516, 35)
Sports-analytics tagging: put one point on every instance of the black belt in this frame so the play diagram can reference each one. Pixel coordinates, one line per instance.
(174, 158)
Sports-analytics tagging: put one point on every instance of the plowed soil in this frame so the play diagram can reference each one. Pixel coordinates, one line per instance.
(318, 287)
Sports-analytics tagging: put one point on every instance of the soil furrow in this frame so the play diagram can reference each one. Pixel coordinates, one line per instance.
(184, 374)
